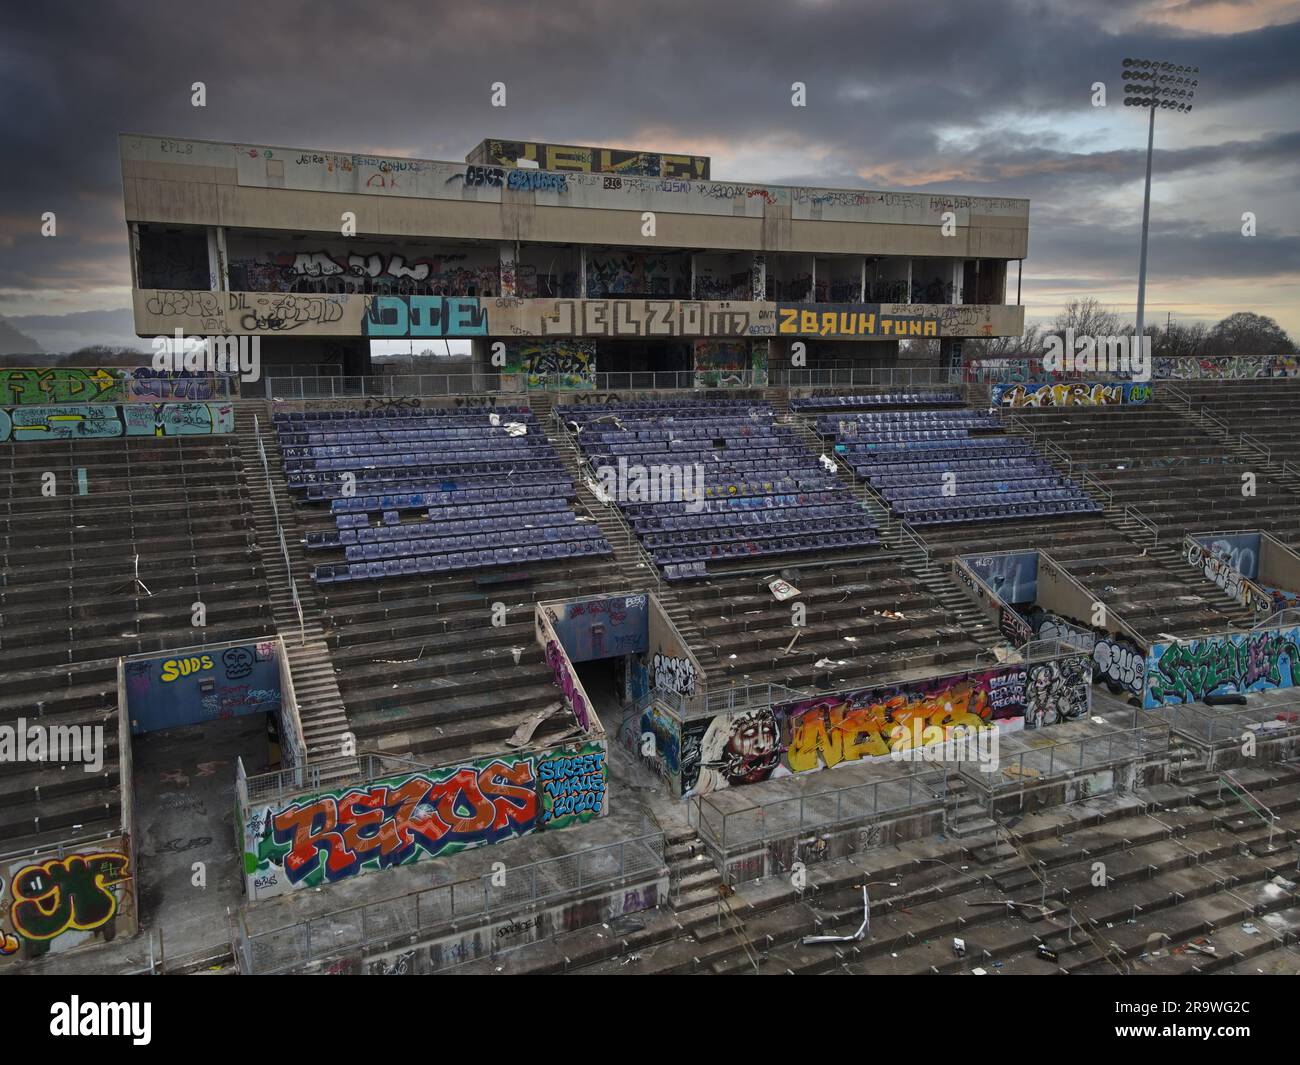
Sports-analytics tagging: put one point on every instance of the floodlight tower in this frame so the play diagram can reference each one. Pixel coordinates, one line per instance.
(1155, 85)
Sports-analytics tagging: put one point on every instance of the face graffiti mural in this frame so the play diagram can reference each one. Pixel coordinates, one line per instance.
(737, 749)
(61, 903)
(333, 836)
(1225, 664)
(803, 736)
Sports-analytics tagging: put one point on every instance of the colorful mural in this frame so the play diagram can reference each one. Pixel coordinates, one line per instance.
(1225, 664)
(719, 363)
(570, 364)
(1072, 394)
(52, 903)
(335, 835)
(764, 743)
(52, 385)
(174, 689)
(95, 421)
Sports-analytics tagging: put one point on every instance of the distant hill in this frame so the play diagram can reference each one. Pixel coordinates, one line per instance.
(12, 342)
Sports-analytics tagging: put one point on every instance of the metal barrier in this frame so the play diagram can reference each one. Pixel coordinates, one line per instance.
(723, 829)
(279, 532)
(350, 931)
(1144, 523)
(1063, 757)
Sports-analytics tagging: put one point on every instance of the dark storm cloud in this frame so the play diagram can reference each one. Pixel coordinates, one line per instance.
(889, 84)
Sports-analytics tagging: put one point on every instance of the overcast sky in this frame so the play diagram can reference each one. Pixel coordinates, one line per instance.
(987, 97)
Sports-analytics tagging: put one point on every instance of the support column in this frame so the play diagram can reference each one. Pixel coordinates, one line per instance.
(508, 270)
(758, 277)
(582, 272)
(862, 287)
(223, 260)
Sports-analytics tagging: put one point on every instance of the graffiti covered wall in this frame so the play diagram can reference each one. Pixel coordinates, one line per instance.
(1225, 664)
(51, 903)
(330, 836)
(541, 362)
(179, 688)
(719, 363)
(582, 158)
(602, 627)
(765, 743)
(1215, 564)
(46, 385)
(1072, 394)
(404, 316)
(83, 421)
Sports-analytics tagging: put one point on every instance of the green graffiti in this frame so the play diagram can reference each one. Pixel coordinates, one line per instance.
(1184, 673)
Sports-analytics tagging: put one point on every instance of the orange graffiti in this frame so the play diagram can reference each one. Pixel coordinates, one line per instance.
(843, 733)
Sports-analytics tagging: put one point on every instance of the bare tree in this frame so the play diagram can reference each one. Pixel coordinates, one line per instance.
(1245, 333)
(1087, 317)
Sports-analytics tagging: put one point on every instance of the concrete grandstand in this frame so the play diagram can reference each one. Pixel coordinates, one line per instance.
(645, 642)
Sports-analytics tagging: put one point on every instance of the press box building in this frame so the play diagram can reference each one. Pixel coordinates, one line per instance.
(560, 263)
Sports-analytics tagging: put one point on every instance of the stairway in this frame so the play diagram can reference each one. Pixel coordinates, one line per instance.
(895, 536)
(635, 565)
(320, 706)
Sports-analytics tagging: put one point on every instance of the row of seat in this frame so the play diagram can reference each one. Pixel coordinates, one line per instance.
(876, 399)
(471, 560)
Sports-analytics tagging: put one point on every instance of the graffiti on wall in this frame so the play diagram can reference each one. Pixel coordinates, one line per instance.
(1226, 367)
(584, 159)
(88, 421)
(379, 272)
(1072, 394)
(425, 316)
(571, 786)
(1231, 663)
(803, 736)
(172, 690)
(544, 362)
(55, 385)
(719, 363)
(53, 904)
(852, 320)
(655, 317)
(601, 628)
(335, 835)
(1117, 661)
(674, 674)
(1217, 567)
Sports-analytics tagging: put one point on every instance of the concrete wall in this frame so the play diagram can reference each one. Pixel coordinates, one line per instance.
(381, 317)
(61, 900)
(285, 189)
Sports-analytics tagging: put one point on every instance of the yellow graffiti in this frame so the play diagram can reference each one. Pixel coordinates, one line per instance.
(174, 668)
(844, 733)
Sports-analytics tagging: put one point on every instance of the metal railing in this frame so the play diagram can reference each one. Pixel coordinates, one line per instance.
(1242, 794)
(1250, 443)
(279, 532)
(405, 919)
(1145, 524)
(723, 827)
(1039, 765)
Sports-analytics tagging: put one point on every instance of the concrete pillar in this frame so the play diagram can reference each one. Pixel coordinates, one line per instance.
(862, 286)
(214, 261)
(758, 277)
(223, 260)
(909, 279)
(582, 272)
(508, 270)
(692, 289)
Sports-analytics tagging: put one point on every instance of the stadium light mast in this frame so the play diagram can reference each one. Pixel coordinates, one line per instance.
(1155, 85)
